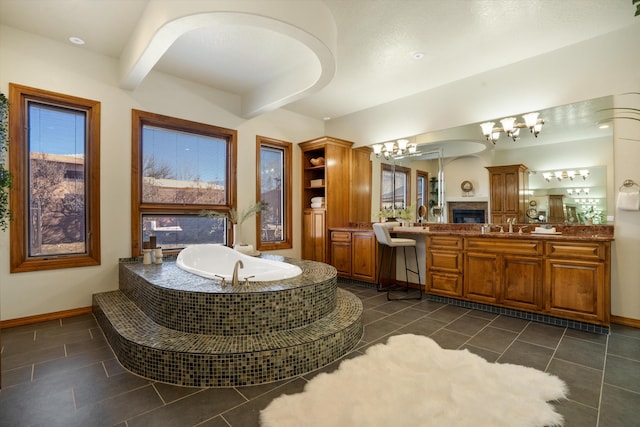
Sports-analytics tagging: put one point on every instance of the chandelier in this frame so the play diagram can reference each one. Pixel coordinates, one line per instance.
(512, 128)
(394, 149)
(570, 174)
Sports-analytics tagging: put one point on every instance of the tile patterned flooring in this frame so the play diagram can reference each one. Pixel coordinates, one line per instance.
(63, 373)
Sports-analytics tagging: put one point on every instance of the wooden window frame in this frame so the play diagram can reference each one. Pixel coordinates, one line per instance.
(425, 189)
(286, 147)
(18, 157)
(138, 208)
(394, 169)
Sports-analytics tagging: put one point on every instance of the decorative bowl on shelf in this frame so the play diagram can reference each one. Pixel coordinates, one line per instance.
(317, 161)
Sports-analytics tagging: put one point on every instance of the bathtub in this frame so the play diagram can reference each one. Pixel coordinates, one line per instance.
(217, 261)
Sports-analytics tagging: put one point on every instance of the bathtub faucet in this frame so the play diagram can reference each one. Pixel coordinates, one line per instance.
(234, 280)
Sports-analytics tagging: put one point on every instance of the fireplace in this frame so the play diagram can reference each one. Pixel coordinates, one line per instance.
(467, 212)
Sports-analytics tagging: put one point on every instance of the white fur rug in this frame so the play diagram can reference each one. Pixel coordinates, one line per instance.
(411, 381)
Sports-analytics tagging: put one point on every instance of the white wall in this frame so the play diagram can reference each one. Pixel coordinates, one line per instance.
(44, 64)
(603, 66)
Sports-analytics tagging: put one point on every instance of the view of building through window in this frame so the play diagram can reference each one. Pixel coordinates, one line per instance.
(184, 168)
(271, 193)
(56, 206)
(394, 187)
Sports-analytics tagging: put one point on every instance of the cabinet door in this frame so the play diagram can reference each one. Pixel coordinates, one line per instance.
(575, 289)
(511, 194)
(481, 277)
(314, 238)
(363, 260)
(341, 257)
(522, 282)
(497, 192)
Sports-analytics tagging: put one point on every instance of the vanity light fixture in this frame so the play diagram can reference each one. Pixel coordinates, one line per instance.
(570, 174)
(512, 128)
(394, 149)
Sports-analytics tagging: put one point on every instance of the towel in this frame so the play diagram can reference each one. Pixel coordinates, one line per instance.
(317, 200)
(317, 205)
(629, 200)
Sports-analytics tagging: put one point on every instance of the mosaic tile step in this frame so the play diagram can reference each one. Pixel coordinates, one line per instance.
(188, 359)
(186, 302)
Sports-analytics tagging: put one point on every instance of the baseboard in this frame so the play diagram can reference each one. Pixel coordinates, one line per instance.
(625, 321)
(21, 321)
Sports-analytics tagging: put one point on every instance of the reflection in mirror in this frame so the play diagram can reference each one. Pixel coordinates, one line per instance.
(580, 193)
(572, 138)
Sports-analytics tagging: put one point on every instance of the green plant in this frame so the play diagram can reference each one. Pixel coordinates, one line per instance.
(637, 3)
(406, 213)
(5, 176)
(386, 213)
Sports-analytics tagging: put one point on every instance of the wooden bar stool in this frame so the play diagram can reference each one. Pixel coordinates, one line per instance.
(383, 236)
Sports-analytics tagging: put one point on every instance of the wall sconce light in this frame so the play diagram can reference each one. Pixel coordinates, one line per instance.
(512, 128)
(578, 191)
(394, 149)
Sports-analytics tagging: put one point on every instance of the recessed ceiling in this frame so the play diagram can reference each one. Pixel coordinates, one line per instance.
(369, 63)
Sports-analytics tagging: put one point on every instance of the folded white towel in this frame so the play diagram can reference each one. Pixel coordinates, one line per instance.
(629, 200)
(317, 200)
(317, 205)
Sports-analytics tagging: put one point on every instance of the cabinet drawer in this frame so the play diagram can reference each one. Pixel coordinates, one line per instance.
(342, 236)
(444, 284)
(444, 242)
(582, 250)
(444, 261)
(502, 246)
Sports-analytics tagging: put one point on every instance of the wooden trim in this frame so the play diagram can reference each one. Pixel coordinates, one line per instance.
(138, 120)
(20, 261)
(625, 321)
(21, 321)
(286, 148)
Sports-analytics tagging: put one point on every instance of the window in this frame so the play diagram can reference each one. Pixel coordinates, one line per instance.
(422, 190)
(395, 188)
(55, 163)
(179, 169)
(274, 224)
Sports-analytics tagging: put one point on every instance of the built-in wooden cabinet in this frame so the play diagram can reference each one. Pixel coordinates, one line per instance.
(444, 265)
(577, 281)
(354, 254)
(556, 209)
(506, 272)
(314, 228)
(329, 180)
(563, 278)
(507, 193)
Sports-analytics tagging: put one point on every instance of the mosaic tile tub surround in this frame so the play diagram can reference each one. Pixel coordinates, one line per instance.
(253, 349)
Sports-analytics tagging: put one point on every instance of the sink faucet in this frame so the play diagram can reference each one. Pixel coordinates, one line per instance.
(511, 221)
(234, 279)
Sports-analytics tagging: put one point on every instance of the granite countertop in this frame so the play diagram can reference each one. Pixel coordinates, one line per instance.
(586, 233)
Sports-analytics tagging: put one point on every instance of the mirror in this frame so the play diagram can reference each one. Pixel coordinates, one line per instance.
(570, 139)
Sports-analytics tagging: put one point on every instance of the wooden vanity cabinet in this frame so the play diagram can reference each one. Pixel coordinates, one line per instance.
(507, 193)
(504, 272)
(577, 283)
(354, 254)
(444, 265)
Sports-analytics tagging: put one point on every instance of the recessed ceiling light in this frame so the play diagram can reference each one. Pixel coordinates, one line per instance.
(76, 40)
(417, 55)
(326, 118)
(604, 126)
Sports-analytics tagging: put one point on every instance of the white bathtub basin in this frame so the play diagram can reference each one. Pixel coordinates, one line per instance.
(217, 261)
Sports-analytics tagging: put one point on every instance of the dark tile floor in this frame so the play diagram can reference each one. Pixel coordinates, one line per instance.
(63, 373)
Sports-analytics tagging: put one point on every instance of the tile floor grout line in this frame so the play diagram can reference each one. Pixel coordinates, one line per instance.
(604, 367)
(555, 350)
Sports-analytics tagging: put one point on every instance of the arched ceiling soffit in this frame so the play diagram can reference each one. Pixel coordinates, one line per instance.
(303, 42)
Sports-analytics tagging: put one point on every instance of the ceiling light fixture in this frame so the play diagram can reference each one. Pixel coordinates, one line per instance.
(417, 55)
(394, 149)
(76, 40)
(512, 128)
